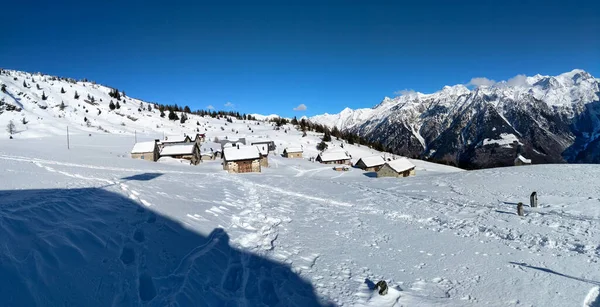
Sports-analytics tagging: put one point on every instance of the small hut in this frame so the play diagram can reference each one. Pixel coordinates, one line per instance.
(520, 160)
(241, 159)
(397, 168)
(146, 150)
(293, 152)
(370, 164)
(334, 157)
(187, 151)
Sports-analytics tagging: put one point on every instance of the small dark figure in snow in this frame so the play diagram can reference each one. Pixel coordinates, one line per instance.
(520, 211)
(382, 286)
(533, 200)
(11, 137)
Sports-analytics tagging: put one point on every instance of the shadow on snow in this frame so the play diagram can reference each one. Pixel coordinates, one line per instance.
(597, 283)
(142, 177)
(92, 247)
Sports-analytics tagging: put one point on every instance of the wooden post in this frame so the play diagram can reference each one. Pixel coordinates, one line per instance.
(533, 200)
(520, 211)
(68, 145)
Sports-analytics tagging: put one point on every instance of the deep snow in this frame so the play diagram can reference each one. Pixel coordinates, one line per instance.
(92, 225)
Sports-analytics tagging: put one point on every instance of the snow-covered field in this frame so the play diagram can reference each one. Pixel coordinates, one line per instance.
(91, 226)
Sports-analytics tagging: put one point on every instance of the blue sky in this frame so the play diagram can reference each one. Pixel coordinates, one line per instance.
(271, 56)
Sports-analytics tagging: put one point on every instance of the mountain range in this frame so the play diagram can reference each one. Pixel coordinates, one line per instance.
(549, 119)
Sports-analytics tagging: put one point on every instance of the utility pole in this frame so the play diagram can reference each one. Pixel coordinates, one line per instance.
(68, 145)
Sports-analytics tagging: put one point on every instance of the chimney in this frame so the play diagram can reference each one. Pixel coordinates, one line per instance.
(156, 141)
(238, 146)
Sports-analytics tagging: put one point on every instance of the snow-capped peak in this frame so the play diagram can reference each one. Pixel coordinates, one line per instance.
(562, 90)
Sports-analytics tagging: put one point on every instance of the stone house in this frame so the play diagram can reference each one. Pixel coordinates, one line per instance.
(293, 152)
(520, 160)
(334, 157)
(146, 150)
(397, 168)
(187, 151)
(370, 164)
(241, 159)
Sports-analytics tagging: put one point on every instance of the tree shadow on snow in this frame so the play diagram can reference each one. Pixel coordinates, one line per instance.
(143, 177)
(597, 283)
(92, 247)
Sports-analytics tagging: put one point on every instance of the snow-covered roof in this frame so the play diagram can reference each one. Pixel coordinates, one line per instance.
(263, 149)
(175, 139)
(207, 146)
(241, 153)
(178, 149)
(334, 156)
(400, 165)
(293, 149)
(523, 159)
(143, 147)
(372, 161)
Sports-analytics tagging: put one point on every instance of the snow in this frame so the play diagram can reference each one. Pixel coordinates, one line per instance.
(334, 155)
(506, 140)
(241, 153)
(163, 233)
(176, 139)
(207, 146)
(293, 149)
(523, 159)
(263, 149)
(372, 161)
(143, 147)
(178, 149)
(400, 165)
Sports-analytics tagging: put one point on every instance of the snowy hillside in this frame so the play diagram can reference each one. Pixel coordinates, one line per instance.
(552, 118)
(90, 225)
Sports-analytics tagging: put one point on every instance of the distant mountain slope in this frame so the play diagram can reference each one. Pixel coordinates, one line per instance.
(549, 119)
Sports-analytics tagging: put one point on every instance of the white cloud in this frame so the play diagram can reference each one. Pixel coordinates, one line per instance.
(210, 107)
(228, 104)
(405, 92)
(301, 107)
(518, 80)
(481, 81)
